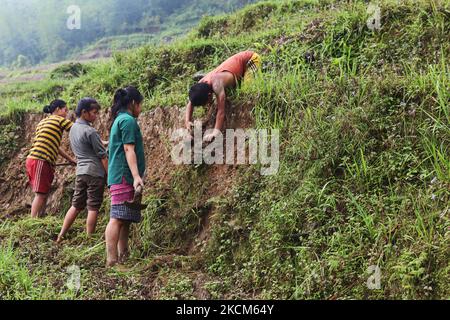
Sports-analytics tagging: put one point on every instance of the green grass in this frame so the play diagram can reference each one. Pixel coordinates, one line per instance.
(16, 282)
(364, 168)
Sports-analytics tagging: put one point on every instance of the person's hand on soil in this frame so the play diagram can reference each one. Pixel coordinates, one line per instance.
(190, 126)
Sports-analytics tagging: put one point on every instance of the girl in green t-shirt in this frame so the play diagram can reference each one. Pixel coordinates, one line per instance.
(125, 171)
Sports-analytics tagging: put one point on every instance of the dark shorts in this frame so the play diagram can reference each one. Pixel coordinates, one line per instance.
(122, 212)
(88, 191)
(40, 174)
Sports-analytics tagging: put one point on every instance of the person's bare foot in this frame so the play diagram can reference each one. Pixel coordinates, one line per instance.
(110, 264)
(123, 257)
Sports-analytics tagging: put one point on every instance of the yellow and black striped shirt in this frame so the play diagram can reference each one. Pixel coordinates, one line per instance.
(47, 139)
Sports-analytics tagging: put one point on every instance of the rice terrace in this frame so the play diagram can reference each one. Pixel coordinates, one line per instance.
(225, 150)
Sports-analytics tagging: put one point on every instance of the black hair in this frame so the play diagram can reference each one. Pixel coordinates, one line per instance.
(199, 93)
(87, 104)
(123, 97)
(55, 104)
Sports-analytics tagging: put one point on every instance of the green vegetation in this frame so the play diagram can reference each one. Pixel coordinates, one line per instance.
(67, 71)
(364, 176)
(104, 25)
(27, 273)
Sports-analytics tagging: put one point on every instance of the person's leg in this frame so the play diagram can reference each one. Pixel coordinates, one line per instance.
(95, 190)
(253, 68)
(91, 222)
(38, 203)
(68, 221)
(42, 174)
(44, 207)
(78, 205)
(122, 246)
(112, 238)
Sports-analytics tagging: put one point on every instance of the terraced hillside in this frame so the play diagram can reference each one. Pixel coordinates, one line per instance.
(364, 170)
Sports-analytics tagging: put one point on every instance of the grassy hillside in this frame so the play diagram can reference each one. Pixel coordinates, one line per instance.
(364, 174)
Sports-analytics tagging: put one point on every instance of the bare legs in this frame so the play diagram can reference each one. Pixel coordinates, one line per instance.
(116, 235)
(71, 215)
(122, 246)
(91, 222)
(38, 205)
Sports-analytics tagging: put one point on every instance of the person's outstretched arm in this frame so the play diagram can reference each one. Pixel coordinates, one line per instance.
(219, 91)
(66, 156)
(220, 118)
(188, 117)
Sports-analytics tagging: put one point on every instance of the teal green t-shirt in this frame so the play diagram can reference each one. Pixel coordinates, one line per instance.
(125, 130)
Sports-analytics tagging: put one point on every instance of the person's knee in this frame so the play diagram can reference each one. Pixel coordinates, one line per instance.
(116, 223)
(77, 210)
(92, 212)
(93, 209)
(41, 196)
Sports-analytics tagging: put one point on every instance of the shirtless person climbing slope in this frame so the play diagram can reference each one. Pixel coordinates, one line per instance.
(241, 66)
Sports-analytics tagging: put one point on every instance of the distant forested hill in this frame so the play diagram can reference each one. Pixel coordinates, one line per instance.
(35, 31)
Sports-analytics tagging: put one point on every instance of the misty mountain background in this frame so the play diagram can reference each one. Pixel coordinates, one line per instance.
(35, 31)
